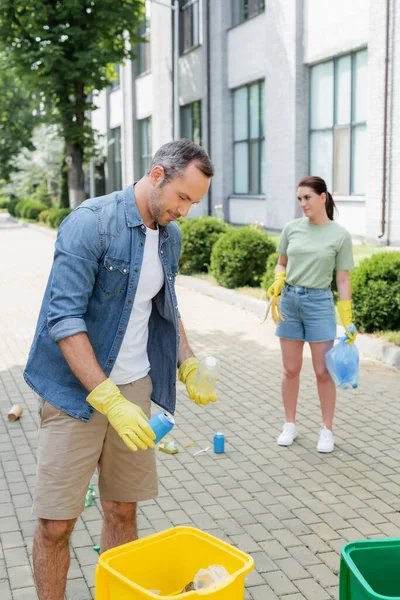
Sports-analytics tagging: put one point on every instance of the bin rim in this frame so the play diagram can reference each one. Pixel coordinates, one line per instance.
(345, 554)
(248, 561)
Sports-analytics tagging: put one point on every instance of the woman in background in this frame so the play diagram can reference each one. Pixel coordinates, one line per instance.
(310, 249)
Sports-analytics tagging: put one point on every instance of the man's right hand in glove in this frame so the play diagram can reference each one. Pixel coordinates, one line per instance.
(128, 419)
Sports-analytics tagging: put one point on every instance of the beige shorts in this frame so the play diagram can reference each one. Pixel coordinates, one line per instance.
(69, 450)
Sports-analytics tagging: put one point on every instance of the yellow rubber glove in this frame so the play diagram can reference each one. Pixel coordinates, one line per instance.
(275, 289)
(346, 316)
(276, 312)
(201, 393)
(128, 419)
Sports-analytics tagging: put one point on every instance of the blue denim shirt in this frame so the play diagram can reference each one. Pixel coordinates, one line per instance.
(91, 288)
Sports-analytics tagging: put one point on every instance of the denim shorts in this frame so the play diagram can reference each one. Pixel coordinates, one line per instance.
(309, 314)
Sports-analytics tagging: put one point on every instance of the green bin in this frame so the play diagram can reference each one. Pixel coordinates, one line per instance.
(370, 570)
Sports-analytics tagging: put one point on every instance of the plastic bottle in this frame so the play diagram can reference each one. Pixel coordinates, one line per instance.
(208, 373)
(90, 496)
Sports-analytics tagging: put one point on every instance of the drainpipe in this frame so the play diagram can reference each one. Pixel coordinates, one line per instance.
(385, 122)
(208, 67)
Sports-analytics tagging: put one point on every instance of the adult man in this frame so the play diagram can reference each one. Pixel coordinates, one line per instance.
(109, 314)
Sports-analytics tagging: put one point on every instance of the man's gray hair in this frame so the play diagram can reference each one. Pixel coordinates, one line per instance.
(175, 156)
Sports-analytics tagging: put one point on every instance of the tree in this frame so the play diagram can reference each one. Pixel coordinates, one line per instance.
(66, 51)
(38, 163)
(17, 118)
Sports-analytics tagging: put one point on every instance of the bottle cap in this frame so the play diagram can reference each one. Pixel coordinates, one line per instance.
(210, 362)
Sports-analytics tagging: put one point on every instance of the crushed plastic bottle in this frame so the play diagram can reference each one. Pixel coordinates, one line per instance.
(208, 373)
(90, 496)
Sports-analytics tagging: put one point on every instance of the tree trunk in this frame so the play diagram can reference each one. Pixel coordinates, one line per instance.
(76, 177)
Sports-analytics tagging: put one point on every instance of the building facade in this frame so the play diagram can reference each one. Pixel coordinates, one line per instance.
(274, 90)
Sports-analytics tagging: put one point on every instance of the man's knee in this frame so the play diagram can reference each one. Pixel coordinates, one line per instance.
(55, 532)
(119, 512)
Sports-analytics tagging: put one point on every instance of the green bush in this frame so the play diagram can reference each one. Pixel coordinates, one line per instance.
(31, 210)
(375, 287)
(43, 216)
(42, 195)
(12, 205)
(269, 275)
(198, 238)
(239, 256)
(4, 201)
(19, 207)
(56, 216)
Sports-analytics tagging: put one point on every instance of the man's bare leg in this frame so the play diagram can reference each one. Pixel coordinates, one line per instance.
(51, 557)
(119, 525)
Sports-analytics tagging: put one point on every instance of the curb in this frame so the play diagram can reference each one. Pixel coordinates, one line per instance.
(369, 347)
(50, 232)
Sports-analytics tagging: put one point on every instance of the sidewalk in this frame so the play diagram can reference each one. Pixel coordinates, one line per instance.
(291, 508)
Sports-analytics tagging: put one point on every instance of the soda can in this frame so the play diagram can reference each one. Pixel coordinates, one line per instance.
(161, 423)
(219, 443)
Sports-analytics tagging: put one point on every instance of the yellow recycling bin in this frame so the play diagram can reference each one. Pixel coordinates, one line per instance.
(162, 565)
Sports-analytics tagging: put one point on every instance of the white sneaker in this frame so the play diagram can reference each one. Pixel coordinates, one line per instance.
(288, 435)
(326, 442)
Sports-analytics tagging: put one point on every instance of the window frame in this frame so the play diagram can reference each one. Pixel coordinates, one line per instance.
(144, 48)
(145, 158)
(196, 40)
(239, 6)
(260, 140)
(115, 135)
(352, 125)
(191, 107)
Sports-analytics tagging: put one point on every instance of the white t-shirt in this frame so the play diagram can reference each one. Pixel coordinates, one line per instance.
(132, 362)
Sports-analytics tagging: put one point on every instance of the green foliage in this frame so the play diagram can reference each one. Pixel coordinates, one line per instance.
(17, 117)
(19, 207)
(375, 287)
(269, 275)
(4, 201)
(198, 238)
(12, 205)
(239, 256)
(42, 195)
(56, 216)
(33, 167)
(43, 216)
(65, 53)
(32, 209)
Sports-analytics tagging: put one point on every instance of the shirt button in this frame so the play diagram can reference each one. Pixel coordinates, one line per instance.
(142, 227)
(136, 270)
(120, 332)
(141, 243)
(111, 361)
(162, 251)
(129, 301)
(170, 278)
(111, 268)
(124, 270)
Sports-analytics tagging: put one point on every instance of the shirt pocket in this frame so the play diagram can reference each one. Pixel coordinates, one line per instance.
(113, 276)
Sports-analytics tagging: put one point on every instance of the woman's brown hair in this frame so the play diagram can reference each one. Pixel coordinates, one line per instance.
(319, 187)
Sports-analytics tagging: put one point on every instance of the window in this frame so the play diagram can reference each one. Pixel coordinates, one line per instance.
(189, 25)
(338, 123)
(144, 49)
(246, 9)
(249, 145)
(116, 82)
(145, 145)
(114, 156)
(191, 122)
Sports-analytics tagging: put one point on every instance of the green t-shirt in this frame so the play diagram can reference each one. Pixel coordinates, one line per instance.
(314, 251)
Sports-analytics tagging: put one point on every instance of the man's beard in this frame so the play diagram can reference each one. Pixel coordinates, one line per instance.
(155, 207)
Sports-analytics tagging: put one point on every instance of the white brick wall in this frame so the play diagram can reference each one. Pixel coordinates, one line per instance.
(334, 27)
